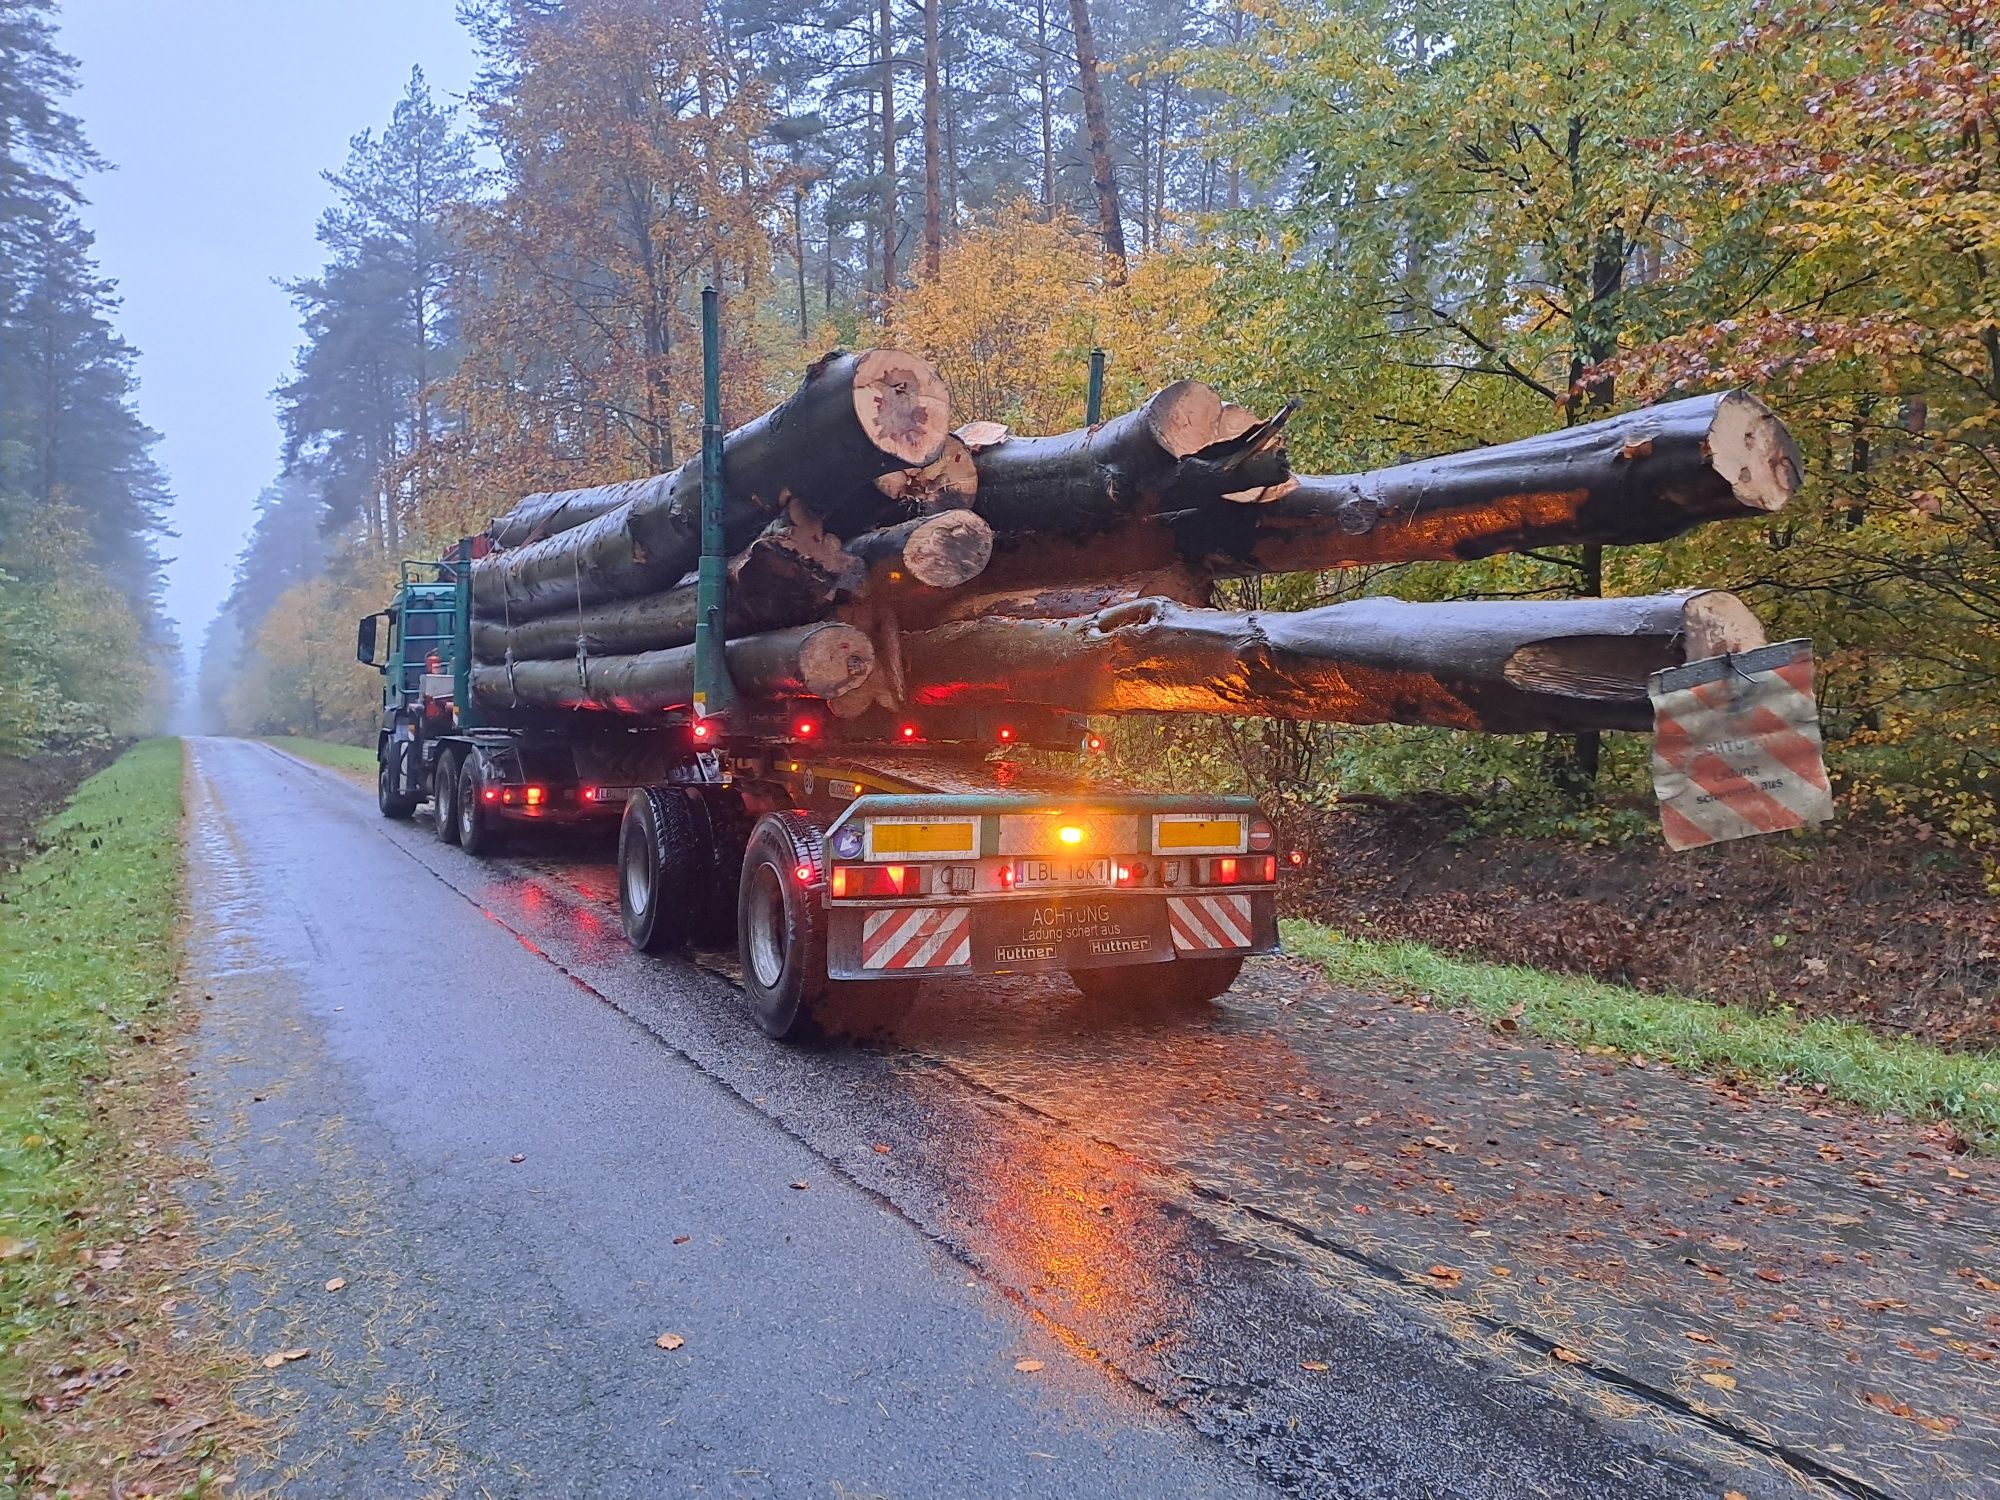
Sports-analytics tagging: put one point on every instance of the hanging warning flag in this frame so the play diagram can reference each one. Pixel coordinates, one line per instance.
(1736, 746)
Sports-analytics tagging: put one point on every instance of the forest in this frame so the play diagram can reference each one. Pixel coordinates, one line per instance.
(1437, 224)
(82, 504)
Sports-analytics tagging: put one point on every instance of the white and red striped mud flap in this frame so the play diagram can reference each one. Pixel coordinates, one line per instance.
(1736, 746)
(917, 937)
(1200, 923)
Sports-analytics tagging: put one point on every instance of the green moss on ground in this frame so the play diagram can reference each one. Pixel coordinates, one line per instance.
(1852, 1063)
(87, 956)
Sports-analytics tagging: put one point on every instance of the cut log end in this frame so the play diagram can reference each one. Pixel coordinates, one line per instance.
(1753, 453)
(1187, 416)
(948, 482)
(834, 658)
(978, 435)
(902, 404)
(949, 549)
(1715, 623)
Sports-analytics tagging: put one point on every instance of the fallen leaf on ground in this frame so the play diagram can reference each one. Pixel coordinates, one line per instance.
(1720, 1382)
(284, 1357)
(1904, 1410)
(881, 1148)
(336, 1284)
(1764, 1273)
(1445, 1274)
(1027, 1366)
(517, 1158)
(669, 1341)
(1316, 1366)
(680, 1239)
(1727, 1244)
(801, 1185)
(1567, 1356)
(1697, 1338)
(16, 1249)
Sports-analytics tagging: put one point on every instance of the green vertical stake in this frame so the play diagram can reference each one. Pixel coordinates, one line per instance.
(1093, 401)
(714, 693)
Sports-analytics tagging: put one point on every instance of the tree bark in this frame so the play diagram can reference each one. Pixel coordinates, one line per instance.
(888, 154)
(856, 418)
(933, 185)
(1097, 127)
(1495, 667)
(813, 661)
(792, 574)
(1641, 477)
(1185, 447)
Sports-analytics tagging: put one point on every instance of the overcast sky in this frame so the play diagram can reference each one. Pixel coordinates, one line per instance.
(219, 116)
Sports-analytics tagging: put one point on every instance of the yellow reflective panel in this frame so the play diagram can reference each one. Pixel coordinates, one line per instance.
(1200, 833)
(960, 836)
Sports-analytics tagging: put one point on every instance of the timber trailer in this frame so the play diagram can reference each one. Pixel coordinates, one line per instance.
(846, 860)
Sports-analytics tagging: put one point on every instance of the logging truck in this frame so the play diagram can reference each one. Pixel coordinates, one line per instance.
(845, 860)
(822, 672)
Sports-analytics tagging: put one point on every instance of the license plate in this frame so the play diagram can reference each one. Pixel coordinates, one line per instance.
(1032, 873)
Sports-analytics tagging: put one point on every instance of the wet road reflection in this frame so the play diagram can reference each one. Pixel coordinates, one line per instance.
(1784, 1274)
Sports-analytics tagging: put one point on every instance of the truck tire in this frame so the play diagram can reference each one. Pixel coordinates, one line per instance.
(665, 867)
(781, 925)
(476, 835)
(1183, 985)
(724, 825)
(394, 804)
(444, 797)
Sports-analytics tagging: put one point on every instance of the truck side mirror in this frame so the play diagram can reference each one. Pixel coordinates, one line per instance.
(364, 641)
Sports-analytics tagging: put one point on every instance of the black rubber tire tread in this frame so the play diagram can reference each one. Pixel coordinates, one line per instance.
(476, 834)
(725, 824)
(788, 1010)
(444, 797)
(1184, 984)
(664, 827)
(397, 805)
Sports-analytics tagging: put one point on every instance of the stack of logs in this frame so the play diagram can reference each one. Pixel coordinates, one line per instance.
(880, 558)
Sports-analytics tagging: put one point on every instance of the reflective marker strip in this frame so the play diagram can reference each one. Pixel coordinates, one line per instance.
(1208, 922)
(917, 937)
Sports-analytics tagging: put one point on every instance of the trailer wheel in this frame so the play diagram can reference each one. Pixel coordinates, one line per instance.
(394, 804)
(724, 824)
(1184, 984)
(781, 926)
(444, 798)
(476, 836)
(664, 867)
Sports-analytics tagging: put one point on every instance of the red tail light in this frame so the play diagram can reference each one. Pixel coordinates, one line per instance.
(907, 732)
(490, 794)
(872, 882)
(803, 874)
(1132, 872)
(805, 729)
(1254, 869)
(703, 730)
(1094, 743)
(534, 796)
(1006, 735)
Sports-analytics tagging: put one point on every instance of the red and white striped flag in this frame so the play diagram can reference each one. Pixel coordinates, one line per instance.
(1736, 746)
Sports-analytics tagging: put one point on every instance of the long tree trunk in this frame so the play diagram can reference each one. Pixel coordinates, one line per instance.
(1097, 127)
(933, 186)
(1496, 667)
(814, 661)
(1640, 477)
(1045, 93)
(855, 418)
(888, 154)
(793, 574)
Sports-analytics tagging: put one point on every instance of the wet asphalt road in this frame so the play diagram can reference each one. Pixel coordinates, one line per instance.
(388, 1022)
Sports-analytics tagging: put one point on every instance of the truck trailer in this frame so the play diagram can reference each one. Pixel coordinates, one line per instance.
(846, 861)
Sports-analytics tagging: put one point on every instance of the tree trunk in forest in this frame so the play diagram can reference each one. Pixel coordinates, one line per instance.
(1097, 127)
(814, 661)
(933, 186)
(1643, 476)
(888, 154)
(1495, 667)
(1046, 91)
(856, 418)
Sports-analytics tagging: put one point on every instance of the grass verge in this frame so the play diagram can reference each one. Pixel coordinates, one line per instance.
(353, 759)
(1851, 1063)
(91, 1116)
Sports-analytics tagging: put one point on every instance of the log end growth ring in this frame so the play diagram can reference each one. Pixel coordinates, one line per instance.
(833, 658)
(1753, 453)
(948, 549)
(902, 404)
